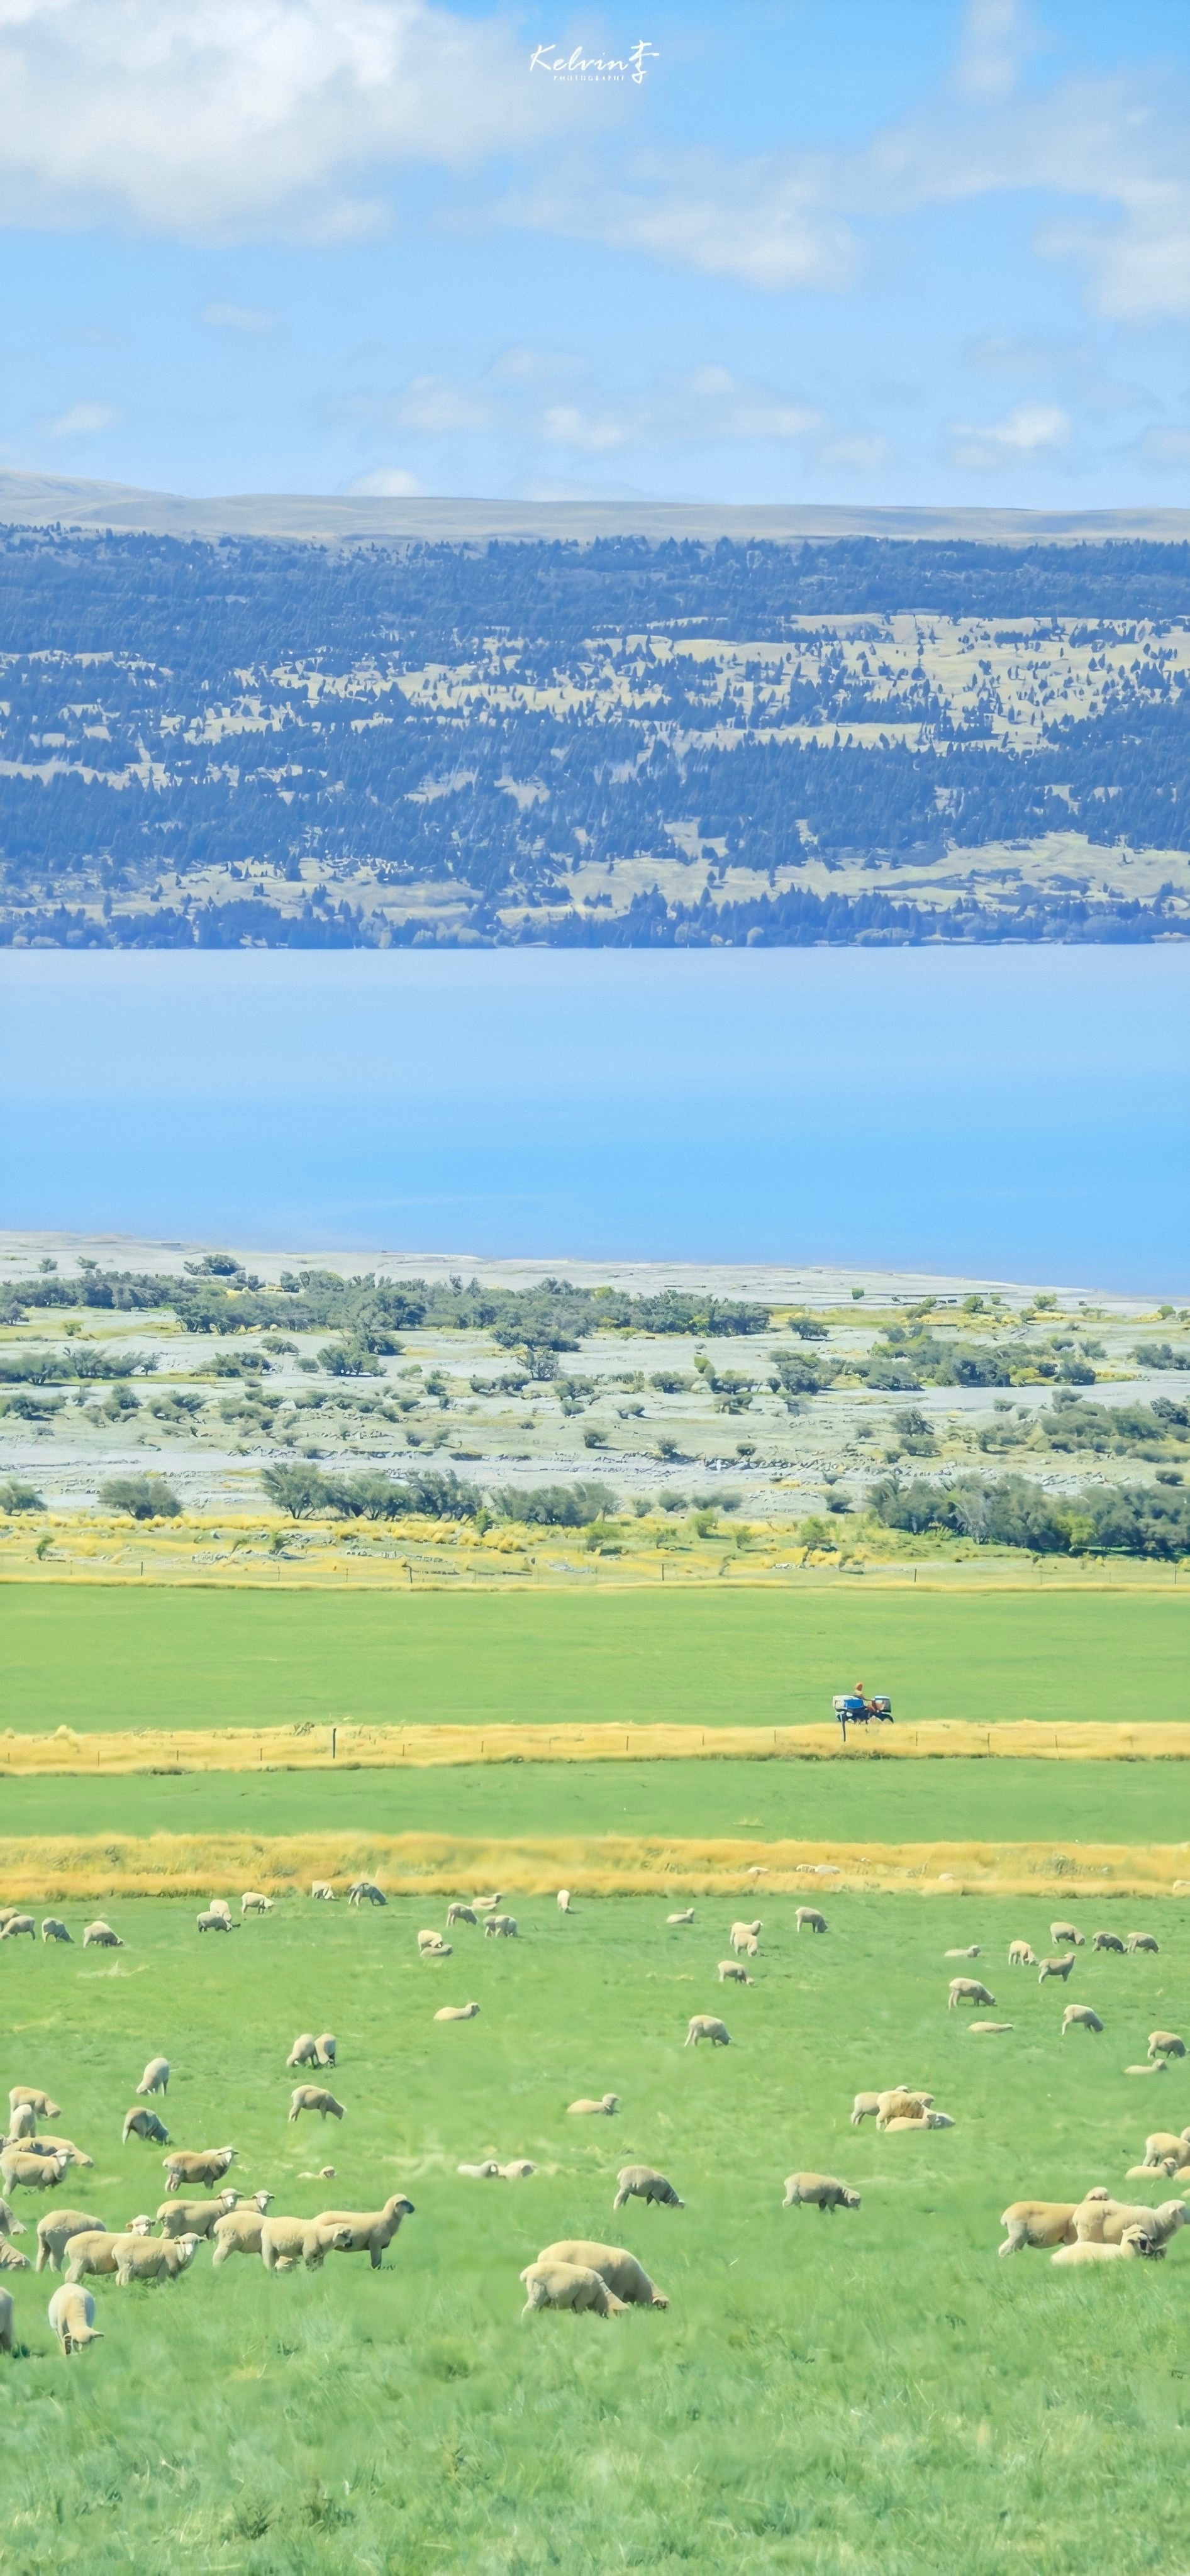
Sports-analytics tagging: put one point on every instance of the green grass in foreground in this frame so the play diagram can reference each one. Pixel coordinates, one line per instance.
(951, 1800)
(127, 1657)
(873, 2392)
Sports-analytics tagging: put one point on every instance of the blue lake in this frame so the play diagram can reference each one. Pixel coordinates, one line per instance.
(1012, 1113)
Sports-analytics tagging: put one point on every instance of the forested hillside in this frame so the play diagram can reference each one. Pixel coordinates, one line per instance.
(207, 743)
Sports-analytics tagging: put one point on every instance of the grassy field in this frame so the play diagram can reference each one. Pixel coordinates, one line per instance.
(126, 1657)
(871, 2392)
(882, 1802)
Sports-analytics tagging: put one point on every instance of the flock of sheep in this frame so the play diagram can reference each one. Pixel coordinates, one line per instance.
(573, 2274)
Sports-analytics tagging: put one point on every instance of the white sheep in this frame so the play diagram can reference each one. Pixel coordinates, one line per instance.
(155, 2078)
(967, 1990)
(822, 2192)
(687, 1917)
(72, 2316)
(1108, 1941)
(146, 2125)
(731, 1973)
(456, 2012)
(22, 2123)
(1080, 2017)
(54, 2234)
(1020, 1955)
(1067, 1932)
(141, 2226)
(430, 1945)
(518, 2171)
(252, 1902)
(1104, 2220)
(901, 2102)
(45, 2109)
(201, 2217)
(972, 1952)
(53, 1929)
(205, 2165)
(10, 2225)
(16, 1924)
(488, 2172)
(314, 2097)
(808, 1919)
(568, 2285)
(237, 2231)
(92, 2251)
(6, 2313)
(705, 2026)
(153, 2258)
(100, 1936)
(924, 2120)
(1166, 2043)
(627, 2279)
(323, 1890)
(65, 2149)
(1055, 1967)
(30, 2172)
(1135, 2242)
(365, 1890)
(643, 2182)
(564, 1900)
(607, 2107)
(304, 2051)
(285, 2242)
(219, 1905)
(1142, 1941)
(486, 1904)
(1162, 2143)
(745, 1936)
(460, 1914)
(209, 1922)
(369, 2231)
(501, 1927)
(328, 2048)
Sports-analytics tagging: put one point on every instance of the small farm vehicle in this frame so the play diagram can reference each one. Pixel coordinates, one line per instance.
(854, 1708)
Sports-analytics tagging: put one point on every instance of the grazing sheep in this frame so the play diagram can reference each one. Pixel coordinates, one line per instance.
(518, 2171)
(146, 2125)
(366, 1889)
(155, 2078)
(731, 1972)
(1165, 2043)
(219, 1905)
(745, 1936)
(627, 2279)
(1080, 2017)
(206, 2165)
(5, 2321)
(54, 2235)
(501, 1927)
(584, 2109)
(460, 1914)
(252, 1902)
(430, 1945)
(456, 2012)
(237, 2231)
(687, 1917)
(1067, 1932)
(45, 2109)
(323, 1890)
(1143, 1941)
(972, 1952)
(1104, 2220)
(967, 1990)
(1055, 1967)
(1163, 2144)
(818, 2191)
(922, 2120)
(903, 2102)
(864, 2107)
(564, 1900)
(1108, 1941)
(642, 2182)
(489, 2172)
(10, 2225)
(66, 2149)
(100, 1936)
(10, 2260)
(209, 1922)
(285, 2242)
(313, 2097)
(53, 1929)
(808, 1919)
(1135, 2241)
(304, 2051)
(72, 2316)
(568, 2285)
(153, 2258)
(22, 2123)
(328, 2048)
(368, 2231)
(705, 2026)
(92, 2251)
(31, 2172)
(16, 1924)
(201, 2217)
(1020, 1955)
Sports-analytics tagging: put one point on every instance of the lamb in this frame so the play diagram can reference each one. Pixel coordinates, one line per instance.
(923, 2120)
(209, 1922)
(642, 2182)
(687, 1917)
(153, 2258)
(818, 2191)
(1108, 1941)
(731, 1972)
(1067, 1932)
(53, 1929)
(745, 1936)
(1105, 2220)
(16, 1924)
(501, 1927)
(328, 2048)
(967, 1990)
(365, 1888)
(564, 1900)
(456, 2012)
(304, 2051)
(207, 2166)
(1020, 1955)
(287, 2241)
(100, 1936)
(705, 2026)
(54, 2235)
(32, 2172)
(1135, 2242)
(1080, 2017)
(808, 1919)
(430, 1945)
(252, 1902)
(623, 2275)
(1162, 2144)
(460, 1914)
(146, 2125)
(323, 1890)
(155, 2078)
(971, 1953)
(72, 2316)
(568, 2285)
(864, 2107)
(45, 2109)
(313, 2097)
(368, 2231)
(583, 2109)
(1143, 1941)
(1055, 1967)
(1165, 2043)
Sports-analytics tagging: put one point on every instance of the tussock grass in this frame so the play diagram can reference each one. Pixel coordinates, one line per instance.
(875, 2392)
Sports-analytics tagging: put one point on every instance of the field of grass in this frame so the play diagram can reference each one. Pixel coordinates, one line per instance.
(870, 2392)
(862, 1803)
(119, 1656)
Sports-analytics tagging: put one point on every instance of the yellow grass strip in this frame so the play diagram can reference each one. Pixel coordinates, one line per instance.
(382, 1748)
(51, 1866)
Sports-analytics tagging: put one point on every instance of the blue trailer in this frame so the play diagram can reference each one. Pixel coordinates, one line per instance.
(855, 1708)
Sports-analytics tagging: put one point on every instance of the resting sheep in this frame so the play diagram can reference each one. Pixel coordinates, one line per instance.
(568, 2285)
(902, 2103)
(1158, 2068)
(1055, 1967)
(367, 2231)
(1080, 2017)
(1136, 2241)
(366, 1889)
(153, 2258)
(31, 2172)
(967, 1990)
(155, 2078)
(687, 1917)
(16, 1924)
(627, 2279)
(72, 2316)
(430, 1945)
(518, 2171)
(100, 1936)
(53, 1929)
(730, 1972)
(922, 2120)
(808, 1919)
(456, 2012)
(818, 2191)
(1020, 1955)
(146, 2125)
(1104, 2220)
(54, 2235)
(1067, 1932)
(1108, 1941)
(65, 2148)
(287, 2241)
(489, 2172)
(252, 1902)
(314, 2097)
(705, 2026)
(971, 1953)
(1166, 2043)
(45, 2109)
(642, 2182)
(583, 2109)
(10, 2260)
(1143, 1941)
(460, 1914)
(207, 2166)
(486, 1904)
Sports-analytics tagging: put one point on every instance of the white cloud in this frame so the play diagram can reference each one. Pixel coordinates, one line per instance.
(997, 37)
(1165, 447)
(246, 319)
(766, 221)
(387, 483)
(83, 420)
(1029, 431)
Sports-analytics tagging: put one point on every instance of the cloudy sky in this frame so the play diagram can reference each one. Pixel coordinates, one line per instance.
(828, 250)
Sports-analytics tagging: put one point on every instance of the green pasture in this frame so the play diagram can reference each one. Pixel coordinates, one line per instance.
(861, 1801)
(872, 2392)
(125, 1656)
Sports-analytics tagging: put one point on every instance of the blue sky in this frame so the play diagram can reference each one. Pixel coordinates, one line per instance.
(824, 250)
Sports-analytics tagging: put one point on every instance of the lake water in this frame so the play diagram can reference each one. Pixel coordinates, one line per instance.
(1011, 1113)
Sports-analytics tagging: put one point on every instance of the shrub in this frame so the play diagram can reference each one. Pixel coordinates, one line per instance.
(555, 1506)
(16, 1497)
(144, 1498)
